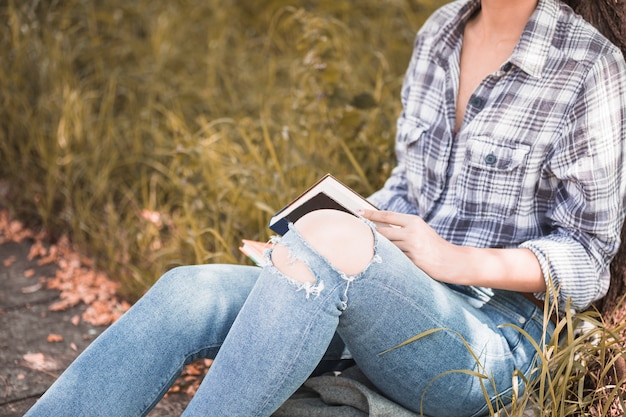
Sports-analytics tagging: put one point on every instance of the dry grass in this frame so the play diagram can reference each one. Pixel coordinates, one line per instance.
(580, 372)
(161, 134)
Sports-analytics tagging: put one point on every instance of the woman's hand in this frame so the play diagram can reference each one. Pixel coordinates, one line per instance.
(429, 251)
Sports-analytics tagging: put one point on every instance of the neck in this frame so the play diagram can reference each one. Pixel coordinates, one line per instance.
(501, 20)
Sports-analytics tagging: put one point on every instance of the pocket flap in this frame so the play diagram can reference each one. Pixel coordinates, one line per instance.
(410, 130)
(484, 153)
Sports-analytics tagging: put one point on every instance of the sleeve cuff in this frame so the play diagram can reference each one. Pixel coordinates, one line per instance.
(569, 272)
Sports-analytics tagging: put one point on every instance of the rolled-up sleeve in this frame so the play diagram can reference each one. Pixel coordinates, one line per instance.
(588, 190)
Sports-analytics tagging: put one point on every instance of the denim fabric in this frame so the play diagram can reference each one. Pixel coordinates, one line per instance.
(267, 333)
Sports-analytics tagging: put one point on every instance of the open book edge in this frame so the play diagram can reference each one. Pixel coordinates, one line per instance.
(326, 193)
(255, 250)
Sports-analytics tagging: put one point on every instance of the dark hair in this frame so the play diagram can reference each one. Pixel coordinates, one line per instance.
(608, 16)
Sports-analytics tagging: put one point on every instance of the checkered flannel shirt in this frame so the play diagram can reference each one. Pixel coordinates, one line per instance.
(538, 160)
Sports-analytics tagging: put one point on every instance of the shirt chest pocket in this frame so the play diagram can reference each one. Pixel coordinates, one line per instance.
(491, 180)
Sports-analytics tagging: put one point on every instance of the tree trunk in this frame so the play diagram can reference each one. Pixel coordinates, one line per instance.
(612, 305)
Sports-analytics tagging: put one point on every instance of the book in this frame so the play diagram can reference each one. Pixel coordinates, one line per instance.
(327, 193)
(255, 250)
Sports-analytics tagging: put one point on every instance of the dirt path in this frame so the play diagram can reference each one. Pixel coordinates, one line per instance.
(37, 343)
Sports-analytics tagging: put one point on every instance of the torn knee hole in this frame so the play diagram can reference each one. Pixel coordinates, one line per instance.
(294, 268)
(345, 241)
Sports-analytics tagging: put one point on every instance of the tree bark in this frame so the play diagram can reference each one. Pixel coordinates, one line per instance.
(613, 302)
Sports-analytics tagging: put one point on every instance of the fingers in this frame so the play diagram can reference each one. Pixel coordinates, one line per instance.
(387, 217)
(394, 234)
(394, 226)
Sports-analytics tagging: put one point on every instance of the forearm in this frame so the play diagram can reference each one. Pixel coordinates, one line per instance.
(515, 269)
(507, 269)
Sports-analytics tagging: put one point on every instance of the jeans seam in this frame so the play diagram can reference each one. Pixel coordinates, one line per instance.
(169, 382)
(163, 385)
(293, 361)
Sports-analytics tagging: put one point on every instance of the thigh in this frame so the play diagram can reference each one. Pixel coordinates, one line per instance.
(199, 303)
(462, 352)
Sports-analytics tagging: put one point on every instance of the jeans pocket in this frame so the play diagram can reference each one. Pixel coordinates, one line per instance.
(515, 314)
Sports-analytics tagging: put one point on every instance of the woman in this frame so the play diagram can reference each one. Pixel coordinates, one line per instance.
(509, 185)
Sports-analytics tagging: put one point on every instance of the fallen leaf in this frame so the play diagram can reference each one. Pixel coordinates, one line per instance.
(39, 362)
(20, 377)
(54, 338)
(74, 347)
(194, 370)
(61, 305)
(35, 358)
(37, 250)
(31, 288)
(50, 258)
(13, 230)
(9, 261)
(29, 273)
(75, 320)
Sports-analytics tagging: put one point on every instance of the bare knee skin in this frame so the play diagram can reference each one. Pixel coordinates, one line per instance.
(344, 240)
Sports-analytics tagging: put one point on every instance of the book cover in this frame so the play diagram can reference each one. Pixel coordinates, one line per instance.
(327, 193)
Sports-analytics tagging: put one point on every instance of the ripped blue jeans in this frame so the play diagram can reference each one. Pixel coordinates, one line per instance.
(267, 333)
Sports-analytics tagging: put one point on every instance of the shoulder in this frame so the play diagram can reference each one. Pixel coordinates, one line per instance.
(445, 15)
(580, 41)
(444, 28)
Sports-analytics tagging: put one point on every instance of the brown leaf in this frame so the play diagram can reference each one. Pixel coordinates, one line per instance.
(36, 250)
(194, 370)
(31, 288)
(54, 338)
(39, 362)
(50, 258)
(35, 358)
(29, 273)
(60, 305)
(191, 390)
(9, 261)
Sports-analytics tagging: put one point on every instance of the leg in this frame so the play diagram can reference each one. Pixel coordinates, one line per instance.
(288, 320)
(184, 316)
(325, 277)
(431, 374)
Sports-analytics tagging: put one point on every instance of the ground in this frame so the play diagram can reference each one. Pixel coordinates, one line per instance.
(52, 305)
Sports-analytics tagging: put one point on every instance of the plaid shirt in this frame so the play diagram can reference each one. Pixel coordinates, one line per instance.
(538, 161)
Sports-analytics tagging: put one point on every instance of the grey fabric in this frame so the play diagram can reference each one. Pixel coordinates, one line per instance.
(348, 395)
(351, 395)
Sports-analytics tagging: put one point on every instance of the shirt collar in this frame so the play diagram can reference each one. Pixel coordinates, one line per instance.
(451, 34)
(532, 50)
